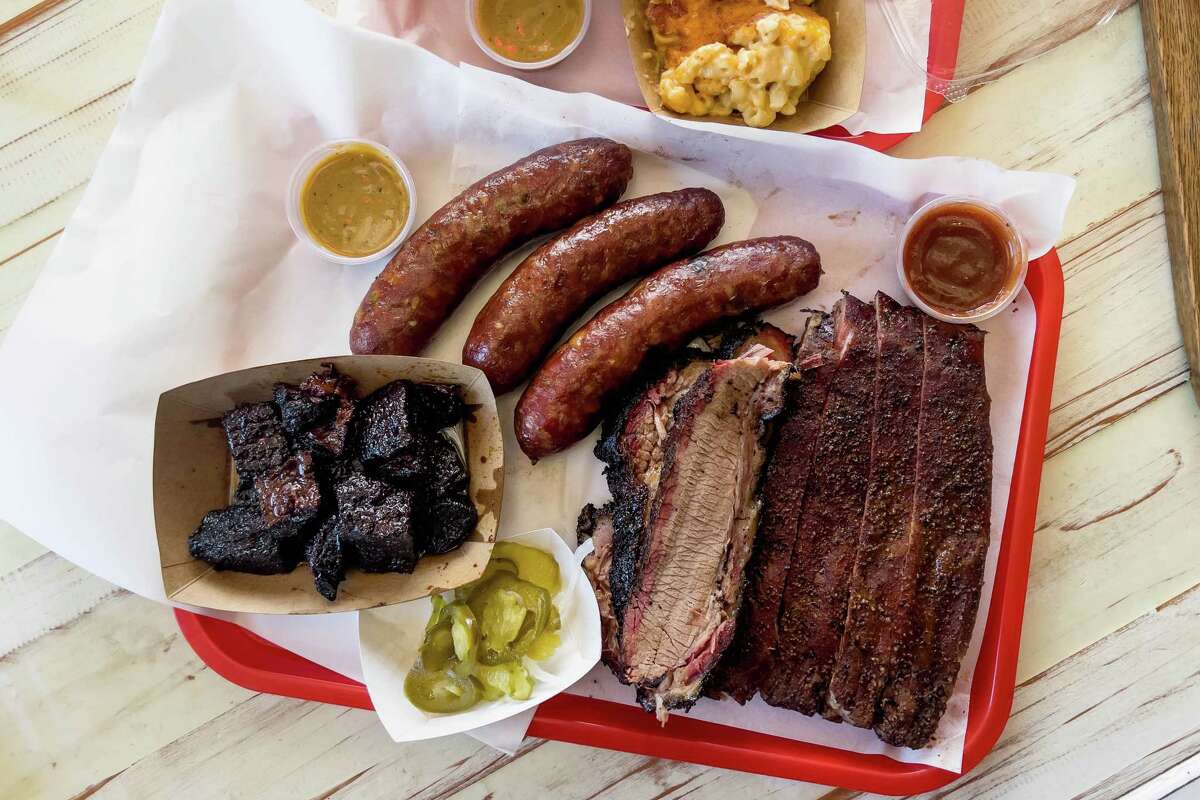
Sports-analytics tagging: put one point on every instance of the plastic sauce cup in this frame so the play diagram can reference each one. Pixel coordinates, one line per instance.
(300, 177)
(473, 27)
(1019, 261)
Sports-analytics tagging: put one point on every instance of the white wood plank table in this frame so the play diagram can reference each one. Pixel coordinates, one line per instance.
(100, 696)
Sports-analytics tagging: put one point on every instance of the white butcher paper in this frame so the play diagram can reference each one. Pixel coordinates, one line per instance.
(179, 264)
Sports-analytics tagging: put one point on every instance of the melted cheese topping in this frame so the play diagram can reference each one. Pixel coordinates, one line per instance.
(776, 59)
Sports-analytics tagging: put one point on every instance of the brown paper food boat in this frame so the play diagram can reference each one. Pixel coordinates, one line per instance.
(832, 98)
(193, 475)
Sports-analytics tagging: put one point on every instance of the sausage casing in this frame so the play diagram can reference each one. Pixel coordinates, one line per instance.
(435, 268)
(548, 290)
(569, 394)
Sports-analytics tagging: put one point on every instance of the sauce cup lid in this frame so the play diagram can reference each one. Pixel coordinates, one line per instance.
(473, 27)
(296, 188)
(984, 312)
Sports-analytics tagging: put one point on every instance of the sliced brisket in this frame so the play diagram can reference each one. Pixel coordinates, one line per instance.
(883, 583)
(814, 603)
(787, 469)
(952, 520)
(631, 448)
(699, 533)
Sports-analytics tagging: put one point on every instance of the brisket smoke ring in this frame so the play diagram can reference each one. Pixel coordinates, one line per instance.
(863, 579)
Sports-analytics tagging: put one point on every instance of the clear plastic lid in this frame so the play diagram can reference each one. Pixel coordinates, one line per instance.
(963, 43)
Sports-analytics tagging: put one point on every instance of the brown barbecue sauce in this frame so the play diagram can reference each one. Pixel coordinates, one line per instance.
(961, 257)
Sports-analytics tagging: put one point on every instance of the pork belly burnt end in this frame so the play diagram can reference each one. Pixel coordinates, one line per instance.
(431, 461)
(256, 438)
(814, 603)
(238, 538)
(681, 613)
(326, 559)
(376, 524)
(290, 492)
(317, 412)
(883, 585)
(953, 525)
(391, 418)
(443, 523)
(786, 476)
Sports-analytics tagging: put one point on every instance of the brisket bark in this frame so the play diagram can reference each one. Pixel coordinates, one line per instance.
(597, 524)
(680, 615)
(952, 519)
(814, 604)
(748, 656)
(882, 588)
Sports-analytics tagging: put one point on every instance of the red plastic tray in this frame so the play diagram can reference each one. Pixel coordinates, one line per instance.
(253, 662)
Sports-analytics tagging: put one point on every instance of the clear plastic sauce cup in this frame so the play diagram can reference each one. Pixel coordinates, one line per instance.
(965, 221)
(299, 179)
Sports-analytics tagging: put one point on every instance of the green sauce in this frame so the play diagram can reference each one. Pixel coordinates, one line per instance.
(528, 30)
(354, 201)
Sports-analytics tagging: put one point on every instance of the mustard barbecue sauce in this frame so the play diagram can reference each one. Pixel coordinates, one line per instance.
(354, 201)
(528, 30)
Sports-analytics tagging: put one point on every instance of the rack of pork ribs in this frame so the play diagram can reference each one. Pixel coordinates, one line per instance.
(804, 519)
(339, 482)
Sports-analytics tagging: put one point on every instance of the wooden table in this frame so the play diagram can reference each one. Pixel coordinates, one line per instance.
(100, 696)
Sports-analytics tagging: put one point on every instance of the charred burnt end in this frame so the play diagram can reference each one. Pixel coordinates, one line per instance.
(317, 413)
(391, 418)
(338, 483)
(431, 463)
(406, 467)
(437, 405)
(444, 523)
(376, 524)
(326, 559)
(245, 494)
(446, 474)
(256, 438)
(290, 493)
(384, 427)
(238, 538)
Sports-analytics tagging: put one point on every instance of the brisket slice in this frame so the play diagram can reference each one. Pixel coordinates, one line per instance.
(882, 587)
(630, 447)
(952, 519)
(814, 603)
(746, 659)
(680, 615)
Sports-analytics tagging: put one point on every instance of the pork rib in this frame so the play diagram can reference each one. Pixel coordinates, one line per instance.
(882, 587)
(814, 603)
(786, 475)
(680, 615)
(952, 516)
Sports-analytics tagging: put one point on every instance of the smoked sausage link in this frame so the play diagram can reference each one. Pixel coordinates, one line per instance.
(538, 301)
(572, 390)
(435, 268)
